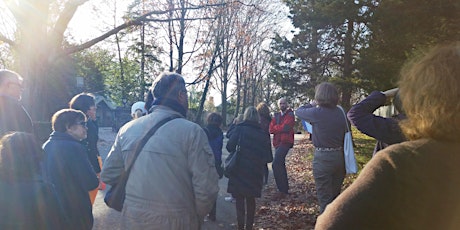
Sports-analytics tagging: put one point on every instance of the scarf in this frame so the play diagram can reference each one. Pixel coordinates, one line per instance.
(174, 105)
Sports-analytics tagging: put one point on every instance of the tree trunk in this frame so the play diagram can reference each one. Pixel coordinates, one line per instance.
(347, 67)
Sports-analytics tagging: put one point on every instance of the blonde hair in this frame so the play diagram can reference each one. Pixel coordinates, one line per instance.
(263, 110)
(251, 114)
(430, 89)
(238, 119)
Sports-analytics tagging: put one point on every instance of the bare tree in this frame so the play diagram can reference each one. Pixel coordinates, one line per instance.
(41, 48)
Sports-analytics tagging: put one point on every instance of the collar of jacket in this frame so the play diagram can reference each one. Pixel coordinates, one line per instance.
(56, 135)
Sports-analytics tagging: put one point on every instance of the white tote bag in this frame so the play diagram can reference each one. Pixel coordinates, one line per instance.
(349, 153)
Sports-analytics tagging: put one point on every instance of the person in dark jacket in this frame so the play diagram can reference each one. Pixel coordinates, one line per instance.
(255, 152)
(13, 116)
(265, 119)
(385, 130)
(67, 167)
(238, 119)
(216, 141)
(329, 126)
(26, 200)
(85, 103)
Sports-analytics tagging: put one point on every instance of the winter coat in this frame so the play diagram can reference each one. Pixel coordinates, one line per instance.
(255, 152)
(410, 185)
(30, 204)
(91, 144)
(329, 124)
(385, 130)
(216, 141)
(13, 117)
(67, 167)
(230, 130)
(282, 128)
(173, 182)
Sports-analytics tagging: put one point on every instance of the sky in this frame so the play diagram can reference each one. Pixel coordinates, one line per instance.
(95, 17)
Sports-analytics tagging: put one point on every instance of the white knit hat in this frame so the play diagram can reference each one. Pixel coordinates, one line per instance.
(138, 105)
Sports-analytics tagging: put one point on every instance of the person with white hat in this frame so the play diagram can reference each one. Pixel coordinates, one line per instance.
(138, 109)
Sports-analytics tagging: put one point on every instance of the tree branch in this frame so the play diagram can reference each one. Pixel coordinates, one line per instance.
(94, 41)
(65, 17)
(136, 21)
(8, 41)
(178, 19)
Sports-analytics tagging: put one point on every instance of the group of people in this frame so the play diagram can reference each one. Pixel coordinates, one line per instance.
(412, 180)
(410, 183)
(53, 187)
(414, 169)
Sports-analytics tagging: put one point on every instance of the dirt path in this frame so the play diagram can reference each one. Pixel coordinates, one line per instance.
(106, 218)
(297, 212)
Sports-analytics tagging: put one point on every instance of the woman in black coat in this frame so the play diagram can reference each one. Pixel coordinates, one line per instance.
(67, 167)
(245, 184)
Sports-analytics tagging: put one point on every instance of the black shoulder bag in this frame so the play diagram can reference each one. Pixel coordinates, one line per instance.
(115, 197)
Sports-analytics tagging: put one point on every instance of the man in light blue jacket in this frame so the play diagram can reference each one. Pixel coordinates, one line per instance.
(173, 182)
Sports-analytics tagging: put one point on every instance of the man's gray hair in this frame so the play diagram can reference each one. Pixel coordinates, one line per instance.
(168, 85)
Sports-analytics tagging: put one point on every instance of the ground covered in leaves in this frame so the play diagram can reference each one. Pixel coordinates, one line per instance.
(300, 209)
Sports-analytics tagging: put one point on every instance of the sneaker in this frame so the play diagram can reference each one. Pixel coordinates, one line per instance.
(210, 218)
(230, 199)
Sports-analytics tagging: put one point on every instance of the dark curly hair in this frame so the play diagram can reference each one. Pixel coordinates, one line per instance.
(214, 119)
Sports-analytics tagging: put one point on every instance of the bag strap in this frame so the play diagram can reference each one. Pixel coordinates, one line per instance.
(345, 116)
(238, 145)
(140, 144)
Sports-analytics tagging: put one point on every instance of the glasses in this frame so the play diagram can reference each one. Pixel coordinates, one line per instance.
(83, 123)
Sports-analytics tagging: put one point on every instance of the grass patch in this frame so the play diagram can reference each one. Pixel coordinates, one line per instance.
(364, 146)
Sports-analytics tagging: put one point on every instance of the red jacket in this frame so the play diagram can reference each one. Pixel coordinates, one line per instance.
(282, 128)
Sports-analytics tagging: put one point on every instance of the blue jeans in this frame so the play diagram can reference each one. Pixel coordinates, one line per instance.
(279, 168)
(329, 173)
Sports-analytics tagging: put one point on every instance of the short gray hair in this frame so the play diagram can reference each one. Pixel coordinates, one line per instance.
(168, 85)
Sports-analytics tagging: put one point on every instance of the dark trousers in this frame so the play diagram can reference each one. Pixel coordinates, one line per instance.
(265, 174)
(279, 168)
(329, 173)
(245, 213)
(212, 213)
